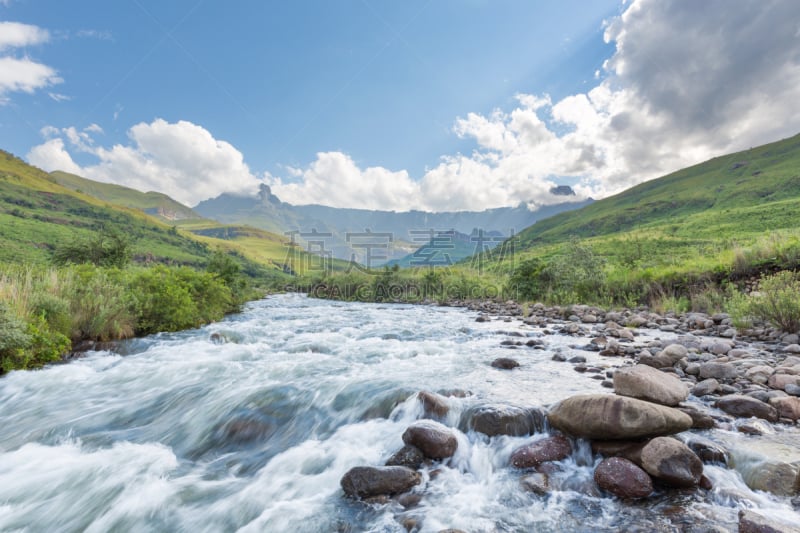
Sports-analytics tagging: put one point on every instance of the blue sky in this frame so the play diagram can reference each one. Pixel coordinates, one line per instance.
(367, 103)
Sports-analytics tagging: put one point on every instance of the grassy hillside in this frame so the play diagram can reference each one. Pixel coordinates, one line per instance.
(734, 196)
(722, 220)
(153, 203)
(38, 213)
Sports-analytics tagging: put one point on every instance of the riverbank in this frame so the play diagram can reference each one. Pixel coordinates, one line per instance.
(47, 314)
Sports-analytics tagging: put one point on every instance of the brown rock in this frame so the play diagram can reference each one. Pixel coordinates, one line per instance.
(788, 407)
(499, 419)
(700, 420)
(371, 481)
(745, 406)
(623, 479)
(610, 417)
(779, 381)
(409, 456)
(505, 363)
(535, 453)
(672, 462)
(435, 440)
(647, 383)
(433, 405)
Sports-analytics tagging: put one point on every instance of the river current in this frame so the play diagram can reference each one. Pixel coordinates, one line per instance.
(182, 432)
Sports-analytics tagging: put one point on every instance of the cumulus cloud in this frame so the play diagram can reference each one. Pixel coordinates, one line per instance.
(180, 159)
(685, 83)
(334, 179)
(17, 35)
(22, 74)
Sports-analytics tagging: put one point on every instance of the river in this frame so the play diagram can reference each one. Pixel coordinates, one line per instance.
(180, 433)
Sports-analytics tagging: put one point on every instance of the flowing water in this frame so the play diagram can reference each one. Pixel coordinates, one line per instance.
(179, 433)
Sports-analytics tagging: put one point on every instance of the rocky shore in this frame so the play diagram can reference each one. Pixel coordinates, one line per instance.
(673, 407)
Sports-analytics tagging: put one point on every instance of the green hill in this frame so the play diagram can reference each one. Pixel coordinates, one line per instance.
(735, 195)
(39, 211)
(153, 203)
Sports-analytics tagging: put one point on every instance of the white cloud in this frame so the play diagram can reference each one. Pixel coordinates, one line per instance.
(25, 75)
(17, 35)
(58, 97)
(180, 159)
(51, 155)
(22, 74)
(334, 179)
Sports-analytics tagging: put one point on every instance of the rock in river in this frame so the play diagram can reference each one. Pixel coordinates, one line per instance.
(435, 440)
(672, 462)
(646, 383)
(606, 416)
(370, 481)
(745, 406)
(408, 455)
(622, 478)
(535, 453)
(750, 522)
(500, 419)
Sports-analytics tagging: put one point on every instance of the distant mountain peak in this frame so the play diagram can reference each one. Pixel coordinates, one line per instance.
(266, 196)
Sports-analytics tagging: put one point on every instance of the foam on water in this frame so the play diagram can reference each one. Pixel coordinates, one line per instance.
(184, 434)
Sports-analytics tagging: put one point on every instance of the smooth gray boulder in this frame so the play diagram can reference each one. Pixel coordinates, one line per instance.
(611, 417)
(370, 481)
(745, 406)
(646, 383)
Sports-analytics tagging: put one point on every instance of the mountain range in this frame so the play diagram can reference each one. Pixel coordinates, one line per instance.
(373, 236)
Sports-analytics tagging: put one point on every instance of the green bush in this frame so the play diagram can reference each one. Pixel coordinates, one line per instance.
(100, 304)
(778, 301)
(28, 345)
(171, 299)
(107, 248)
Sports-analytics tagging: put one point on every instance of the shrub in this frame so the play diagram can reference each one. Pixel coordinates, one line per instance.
(28, 345)
(108, 248)
(778, 301)
(526, 281)
(13, 339)
(99, 304)
(171, 299)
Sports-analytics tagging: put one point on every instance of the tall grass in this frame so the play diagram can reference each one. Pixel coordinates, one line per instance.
(44, 310)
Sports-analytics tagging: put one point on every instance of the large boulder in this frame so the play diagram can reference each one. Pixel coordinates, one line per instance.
(370, 481)
(499, 419)
(745, 406)
(622, 478)
(537, 452)
(435, 440)
(672, 462)
(646, 383)
(606, 416)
